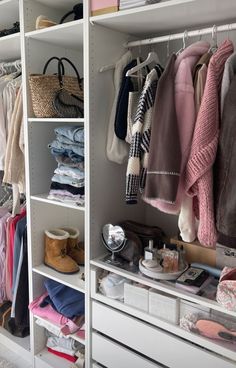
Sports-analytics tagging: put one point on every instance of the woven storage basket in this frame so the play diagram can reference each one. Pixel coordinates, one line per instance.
(43, 89)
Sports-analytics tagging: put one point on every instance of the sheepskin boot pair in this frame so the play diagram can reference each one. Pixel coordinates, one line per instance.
(62, 251)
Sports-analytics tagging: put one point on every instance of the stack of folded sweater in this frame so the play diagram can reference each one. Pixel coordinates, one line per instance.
(66, 348)
(68, 180)
(60, 310)
(127, 4)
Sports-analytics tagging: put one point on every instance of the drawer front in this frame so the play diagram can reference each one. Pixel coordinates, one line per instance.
(156, 344)
(113, 355)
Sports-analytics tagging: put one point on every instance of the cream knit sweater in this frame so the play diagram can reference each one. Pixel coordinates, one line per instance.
(14, 160)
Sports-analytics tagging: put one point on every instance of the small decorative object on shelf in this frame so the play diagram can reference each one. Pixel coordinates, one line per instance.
(113, 238)
(168, 263)
(126, 243)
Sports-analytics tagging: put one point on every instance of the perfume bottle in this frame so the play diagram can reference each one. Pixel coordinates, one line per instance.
(150, 252)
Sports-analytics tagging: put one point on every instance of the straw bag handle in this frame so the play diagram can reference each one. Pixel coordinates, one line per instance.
(60, 74)
(59, 65)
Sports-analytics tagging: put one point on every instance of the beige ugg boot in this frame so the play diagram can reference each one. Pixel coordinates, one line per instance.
(73, 246)
(55, 255)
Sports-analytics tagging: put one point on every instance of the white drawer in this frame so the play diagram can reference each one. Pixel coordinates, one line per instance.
(156, 344)
(113, 355)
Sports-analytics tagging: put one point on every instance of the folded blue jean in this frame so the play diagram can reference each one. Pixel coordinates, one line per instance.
(76, 148)
(67, 301)
(65, 160)
(72, 133)
(67, 153)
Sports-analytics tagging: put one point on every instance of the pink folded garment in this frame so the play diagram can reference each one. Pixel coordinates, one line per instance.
(81, 334)
(67, 325)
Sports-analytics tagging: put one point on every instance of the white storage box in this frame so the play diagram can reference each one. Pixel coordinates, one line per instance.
(164, 306)
(136, 296)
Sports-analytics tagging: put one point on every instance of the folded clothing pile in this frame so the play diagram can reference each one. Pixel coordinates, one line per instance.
(127, 4)
(60, 309)
(66, 348)
(68, 180)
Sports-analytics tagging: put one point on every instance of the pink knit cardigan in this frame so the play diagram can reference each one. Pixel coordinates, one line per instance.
(199, 174)
(186, 117)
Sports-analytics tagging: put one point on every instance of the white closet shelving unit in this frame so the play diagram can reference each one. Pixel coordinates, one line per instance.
(38, 46)
(117, 335)
(123, 335)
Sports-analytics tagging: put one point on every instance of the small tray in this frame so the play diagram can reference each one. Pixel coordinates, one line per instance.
(161, 275)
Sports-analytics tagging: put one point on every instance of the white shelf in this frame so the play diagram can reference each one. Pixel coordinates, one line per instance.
(43, 198)
(221, 349)
(48, 360)
(69, 35)
(73, 336)
(156, 19)
(9, 13)
(166, 287)
(10, 46)
(56, 120)
(73, 281)
(19, 345)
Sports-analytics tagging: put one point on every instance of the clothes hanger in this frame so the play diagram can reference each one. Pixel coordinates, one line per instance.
(185, 37)
(214, 46)
(168, 48)
(107, 68)
(229, 30)
(152, 57)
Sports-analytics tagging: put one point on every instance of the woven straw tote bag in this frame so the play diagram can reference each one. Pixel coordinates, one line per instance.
(44, 87)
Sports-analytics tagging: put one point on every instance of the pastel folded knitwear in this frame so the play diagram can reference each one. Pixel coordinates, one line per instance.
(67, 326)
